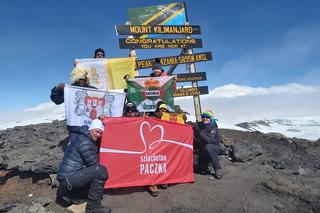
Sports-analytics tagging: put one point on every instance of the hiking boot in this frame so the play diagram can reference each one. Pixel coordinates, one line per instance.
(218, 174)
(69, 196)
(210, 169)
(164, 186)
(153, 190)
(99, 210)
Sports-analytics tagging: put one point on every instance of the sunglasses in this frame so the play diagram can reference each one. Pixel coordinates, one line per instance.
(205, 117)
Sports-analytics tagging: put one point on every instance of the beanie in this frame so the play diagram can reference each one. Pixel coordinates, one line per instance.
(156, 65)
(97, 51)
(207, 113)
(77, 74)
(96, 124)
(163, 106)
(130, 106)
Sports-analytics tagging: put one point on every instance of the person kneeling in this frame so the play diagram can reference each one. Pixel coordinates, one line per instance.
(80, 169)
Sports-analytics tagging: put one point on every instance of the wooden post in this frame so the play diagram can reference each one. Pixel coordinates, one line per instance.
(196, 98)
(132, 52)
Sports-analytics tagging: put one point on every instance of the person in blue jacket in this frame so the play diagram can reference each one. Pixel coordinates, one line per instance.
(206, 138)
(80, 169)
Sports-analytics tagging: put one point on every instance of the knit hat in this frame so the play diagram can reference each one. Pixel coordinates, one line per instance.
(130, 106)
(156, 65)
(207, 113)
(97, 51)
(163, 106)
(96, 124)
(77, 74)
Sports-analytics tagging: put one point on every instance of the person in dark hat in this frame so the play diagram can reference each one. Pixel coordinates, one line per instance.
(130, 110)
(99, 53)
(157, 70)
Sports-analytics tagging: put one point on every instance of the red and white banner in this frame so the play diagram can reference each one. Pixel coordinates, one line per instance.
(146, 151)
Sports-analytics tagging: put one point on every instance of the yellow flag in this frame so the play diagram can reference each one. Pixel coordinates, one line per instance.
(174, 117)
(118, 68)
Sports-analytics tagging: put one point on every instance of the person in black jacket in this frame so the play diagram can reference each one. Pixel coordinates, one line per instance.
(78, 78)
(206, 139)
(80, 169)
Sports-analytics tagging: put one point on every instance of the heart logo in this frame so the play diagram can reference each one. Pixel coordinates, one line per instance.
(154, 143)
(145, 128)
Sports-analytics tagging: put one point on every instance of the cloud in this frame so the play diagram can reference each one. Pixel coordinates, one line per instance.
(48, 106)
(41, 111)
(234, 103)
(231, 104)
(233, 90)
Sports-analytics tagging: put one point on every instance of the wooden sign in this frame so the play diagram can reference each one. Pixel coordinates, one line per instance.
(173, 60)
(199, 76)
(191, 91)
(159, 29)
(159, 43)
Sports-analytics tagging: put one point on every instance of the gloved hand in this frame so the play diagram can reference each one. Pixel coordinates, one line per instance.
(196, 129)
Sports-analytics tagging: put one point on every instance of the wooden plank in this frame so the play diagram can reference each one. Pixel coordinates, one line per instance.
(157, 29)
(174, 60)
(185, 77)
(159, 43)
(191, 91)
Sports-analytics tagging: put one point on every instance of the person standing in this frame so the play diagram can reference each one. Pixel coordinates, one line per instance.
(206, 137)
(99, 53)
(157, 70)
(80, 169)
(78, 77)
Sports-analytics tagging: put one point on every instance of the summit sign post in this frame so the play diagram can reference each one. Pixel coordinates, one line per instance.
(153, 27)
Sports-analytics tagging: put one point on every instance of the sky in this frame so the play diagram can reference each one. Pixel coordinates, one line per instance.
(266, 60)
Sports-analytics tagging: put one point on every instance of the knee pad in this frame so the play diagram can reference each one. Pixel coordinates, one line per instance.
(102, 173)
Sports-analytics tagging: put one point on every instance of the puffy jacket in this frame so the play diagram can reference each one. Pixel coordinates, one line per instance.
(82, 152)
(207, 134)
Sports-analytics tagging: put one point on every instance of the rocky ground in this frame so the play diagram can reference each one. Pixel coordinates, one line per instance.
(261, 173)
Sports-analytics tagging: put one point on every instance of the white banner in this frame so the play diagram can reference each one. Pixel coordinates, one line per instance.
(97, 71)
(85, 104)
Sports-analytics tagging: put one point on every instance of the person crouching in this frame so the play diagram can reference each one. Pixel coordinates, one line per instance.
(207, 138)
(80, 169)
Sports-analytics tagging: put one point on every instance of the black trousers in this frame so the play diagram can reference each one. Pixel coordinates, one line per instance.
(209, 154)
(90, 178)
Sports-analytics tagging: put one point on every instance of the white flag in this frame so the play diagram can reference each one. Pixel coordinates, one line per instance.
(84, 104)
(97, 71)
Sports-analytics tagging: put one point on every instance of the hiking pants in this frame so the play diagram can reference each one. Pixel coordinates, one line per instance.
(209, 153)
